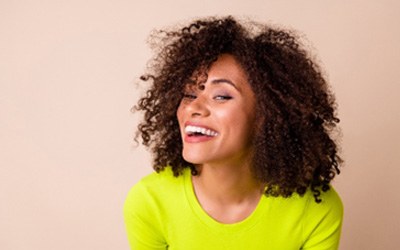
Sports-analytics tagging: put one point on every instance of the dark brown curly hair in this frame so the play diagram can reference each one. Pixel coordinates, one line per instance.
(295, 148)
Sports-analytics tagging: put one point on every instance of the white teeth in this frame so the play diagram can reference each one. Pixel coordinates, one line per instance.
(194, 129)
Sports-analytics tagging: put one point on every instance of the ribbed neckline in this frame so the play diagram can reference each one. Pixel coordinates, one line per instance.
(210, 222)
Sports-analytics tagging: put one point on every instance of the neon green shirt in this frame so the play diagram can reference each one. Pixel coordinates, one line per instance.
(162, 212)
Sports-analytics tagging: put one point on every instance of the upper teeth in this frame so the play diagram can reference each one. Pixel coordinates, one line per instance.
(193, 129)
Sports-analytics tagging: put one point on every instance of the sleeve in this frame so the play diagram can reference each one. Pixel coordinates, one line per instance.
(322, 222)
(142, 221)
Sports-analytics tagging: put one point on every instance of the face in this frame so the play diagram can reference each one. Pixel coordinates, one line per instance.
(217, 118)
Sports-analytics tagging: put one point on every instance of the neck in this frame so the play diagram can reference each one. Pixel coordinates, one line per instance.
(227, 184)
(228, 193)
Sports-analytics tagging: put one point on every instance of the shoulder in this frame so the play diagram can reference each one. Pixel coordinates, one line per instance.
(330, 203)
(322, 221)
(158, 182)
(153, 190)
(330, 200)
(153, 180)
(305, 208)
(147, 206)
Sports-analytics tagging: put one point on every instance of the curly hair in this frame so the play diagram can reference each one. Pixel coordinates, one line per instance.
(294, 149)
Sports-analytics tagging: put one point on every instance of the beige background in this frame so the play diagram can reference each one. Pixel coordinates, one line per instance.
(67, 73)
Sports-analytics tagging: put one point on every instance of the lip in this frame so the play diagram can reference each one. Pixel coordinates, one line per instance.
(195, 139)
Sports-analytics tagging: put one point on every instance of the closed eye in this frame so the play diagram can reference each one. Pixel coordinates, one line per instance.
(189, 96)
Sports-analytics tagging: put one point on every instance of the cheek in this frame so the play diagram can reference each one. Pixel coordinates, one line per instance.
(179, 114)
(242, 123)
(226, 114)
(235, 116)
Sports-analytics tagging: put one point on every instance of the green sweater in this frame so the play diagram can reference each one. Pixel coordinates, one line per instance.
(162, 212)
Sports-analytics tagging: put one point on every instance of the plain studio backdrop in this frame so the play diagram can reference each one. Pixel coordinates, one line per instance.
(67, 82)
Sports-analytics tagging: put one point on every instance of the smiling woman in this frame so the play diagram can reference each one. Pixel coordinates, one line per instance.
(240, 122)
(224, 105)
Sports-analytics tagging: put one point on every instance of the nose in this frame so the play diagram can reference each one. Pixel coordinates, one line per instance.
(198, 107)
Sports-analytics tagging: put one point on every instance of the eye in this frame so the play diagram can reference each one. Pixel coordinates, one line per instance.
(222, 97)
(189, 96)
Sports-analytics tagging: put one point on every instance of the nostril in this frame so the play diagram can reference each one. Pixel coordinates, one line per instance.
(196, 113)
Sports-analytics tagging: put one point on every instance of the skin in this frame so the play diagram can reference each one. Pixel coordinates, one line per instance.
(225, 104)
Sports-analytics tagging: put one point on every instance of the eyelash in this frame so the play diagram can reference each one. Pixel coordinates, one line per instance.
(189, 96)
(217, 97)
(223, 97)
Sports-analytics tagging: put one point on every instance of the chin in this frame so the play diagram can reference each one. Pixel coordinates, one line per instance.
(191, 159)
(194, 158)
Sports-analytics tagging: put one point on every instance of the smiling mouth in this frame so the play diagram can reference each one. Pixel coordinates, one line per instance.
(199, 131)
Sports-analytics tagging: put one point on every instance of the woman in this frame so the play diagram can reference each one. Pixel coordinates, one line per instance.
(239, 120)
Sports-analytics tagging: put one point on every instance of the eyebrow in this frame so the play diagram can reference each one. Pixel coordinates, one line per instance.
(223, 80)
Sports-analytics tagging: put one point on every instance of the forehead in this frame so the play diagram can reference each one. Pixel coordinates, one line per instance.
(226, 69)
